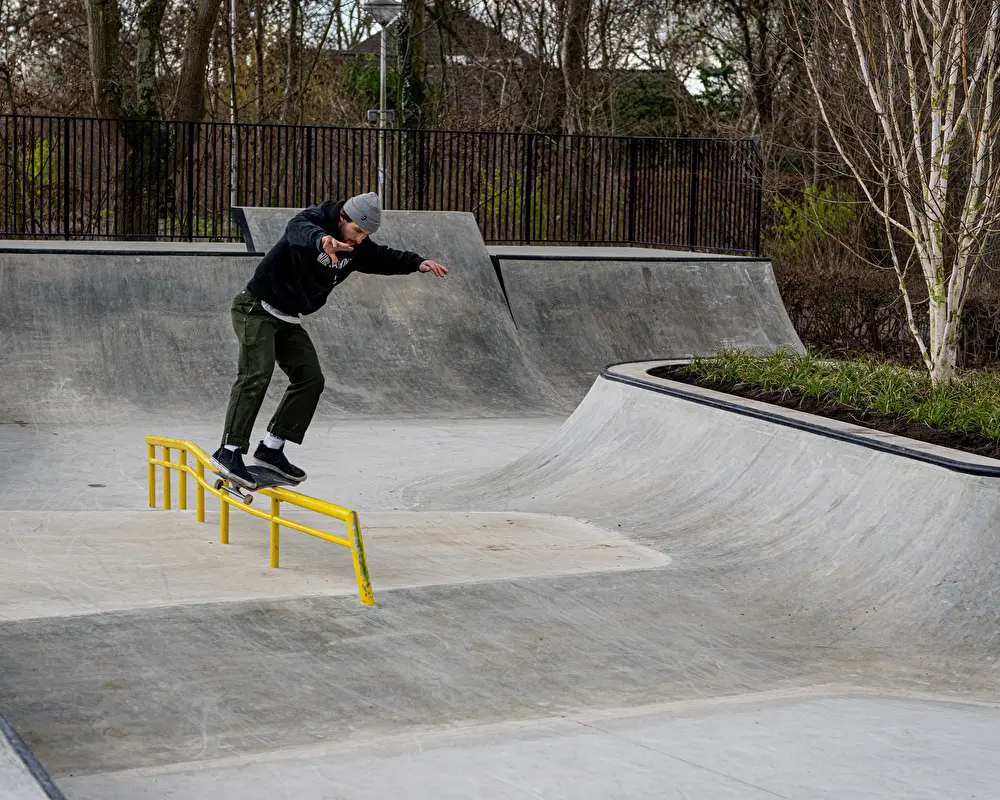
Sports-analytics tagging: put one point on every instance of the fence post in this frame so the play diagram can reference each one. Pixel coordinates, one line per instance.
(66, 185)
(526, 189)
(309, 168)
(758, 196)
(190, 181)
(421, 169)
(14, 172)
(633, 180)
(693, 198)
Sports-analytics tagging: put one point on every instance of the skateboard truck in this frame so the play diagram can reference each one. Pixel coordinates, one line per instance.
(235, 490)
(264, 478)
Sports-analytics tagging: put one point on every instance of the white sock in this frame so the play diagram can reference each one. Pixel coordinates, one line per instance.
(232, 448)
(274, 442)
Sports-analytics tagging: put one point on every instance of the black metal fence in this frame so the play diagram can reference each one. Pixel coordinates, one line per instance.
(81, 178)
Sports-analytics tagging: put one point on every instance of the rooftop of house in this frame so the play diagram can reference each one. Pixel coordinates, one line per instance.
(455, 36)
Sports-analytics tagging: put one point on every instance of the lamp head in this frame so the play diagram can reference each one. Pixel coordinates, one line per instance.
(384, 12)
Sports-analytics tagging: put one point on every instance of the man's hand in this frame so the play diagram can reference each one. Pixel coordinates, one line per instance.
(331, 246)
(433, 266)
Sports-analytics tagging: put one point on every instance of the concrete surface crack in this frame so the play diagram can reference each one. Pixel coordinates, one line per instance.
(694, 764)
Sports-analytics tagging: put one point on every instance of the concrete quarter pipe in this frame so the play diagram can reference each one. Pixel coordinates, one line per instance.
(647, 598)
(576, 308)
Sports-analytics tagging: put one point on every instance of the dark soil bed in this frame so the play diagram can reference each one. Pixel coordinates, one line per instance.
(966, 442)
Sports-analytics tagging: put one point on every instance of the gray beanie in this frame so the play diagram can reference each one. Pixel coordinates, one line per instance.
(365, 211)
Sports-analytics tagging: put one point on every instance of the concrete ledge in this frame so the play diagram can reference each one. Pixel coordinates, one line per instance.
(118, 248)
(637, 374)
(164, 558)
(637, 253)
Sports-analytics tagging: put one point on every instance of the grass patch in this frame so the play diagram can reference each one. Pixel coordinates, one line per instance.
(876, 391)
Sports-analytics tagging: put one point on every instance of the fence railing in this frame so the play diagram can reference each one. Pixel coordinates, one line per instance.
(83, 178)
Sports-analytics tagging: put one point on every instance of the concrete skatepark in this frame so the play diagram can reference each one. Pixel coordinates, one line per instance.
(588, 582)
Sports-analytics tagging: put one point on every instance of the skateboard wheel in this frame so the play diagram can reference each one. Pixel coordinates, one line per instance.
(248, 499)
(219, 484)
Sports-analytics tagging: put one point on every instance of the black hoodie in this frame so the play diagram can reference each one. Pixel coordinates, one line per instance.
(293, 277)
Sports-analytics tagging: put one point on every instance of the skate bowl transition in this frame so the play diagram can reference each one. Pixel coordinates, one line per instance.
(588, 582)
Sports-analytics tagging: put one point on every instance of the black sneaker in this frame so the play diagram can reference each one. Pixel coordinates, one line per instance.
(275, 460)
(230, 464)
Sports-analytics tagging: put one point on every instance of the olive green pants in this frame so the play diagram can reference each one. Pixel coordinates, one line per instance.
(265, 339)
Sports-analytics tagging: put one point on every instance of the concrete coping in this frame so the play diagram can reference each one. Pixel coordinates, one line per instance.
(117, 248)
(586, 253)
(636, 373)
(13, 748)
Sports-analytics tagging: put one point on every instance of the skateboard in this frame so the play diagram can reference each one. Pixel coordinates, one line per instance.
(264, 478)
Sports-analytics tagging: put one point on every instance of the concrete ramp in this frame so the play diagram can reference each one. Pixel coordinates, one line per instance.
(578, 309)
(832, 543)
(262, 226)
(97, 335)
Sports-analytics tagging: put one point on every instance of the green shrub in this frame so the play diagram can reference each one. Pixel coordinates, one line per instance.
(970, 405)
(817, 214)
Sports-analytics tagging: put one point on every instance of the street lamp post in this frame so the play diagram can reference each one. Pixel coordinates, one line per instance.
(232, 111)
(384, 12)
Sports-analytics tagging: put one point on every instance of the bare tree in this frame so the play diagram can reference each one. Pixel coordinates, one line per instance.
(574, 63)
(104, 24)
(412, 64)
(332, 15)
(147, 52)
(922, 140)
(293, 47)
(190, 100)
(259, 11)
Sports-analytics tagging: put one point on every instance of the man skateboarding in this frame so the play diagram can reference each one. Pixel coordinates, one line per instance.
(321, 246)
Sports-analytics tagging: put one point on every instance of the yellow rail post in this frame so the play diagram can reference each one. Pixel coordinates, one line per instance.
(352, 542)
(275, 531)
(166, 479)
(360, 561)
(224, 520)
(199, 491)
(182, 483)
(151, 474)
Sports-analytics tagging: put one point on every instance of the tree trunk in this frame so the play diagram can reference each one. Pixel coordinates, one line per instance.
(231, 45)
(335, 14)
(412, 64)
(291, 61)
(574, 53)
(762, 69)
(104, 27)
(412, 104)
(214, 73)
(9, 88)
(147, 47)
(258, 50)
(190, 103)
(144, 185)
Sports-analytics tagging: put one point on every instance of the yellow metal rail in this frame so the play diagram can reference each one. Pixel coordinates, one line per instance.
(352, 542)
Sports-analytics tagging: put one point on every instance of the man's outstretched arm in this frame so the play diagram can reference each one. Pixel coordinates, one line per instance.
(389, 261)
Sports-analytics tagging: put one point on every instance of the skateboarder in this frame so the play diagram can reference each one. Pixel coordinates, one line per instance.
(321, 246)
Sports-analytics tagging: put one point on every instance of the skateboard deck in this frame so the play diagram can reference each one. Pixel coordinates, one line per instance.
(264, 478)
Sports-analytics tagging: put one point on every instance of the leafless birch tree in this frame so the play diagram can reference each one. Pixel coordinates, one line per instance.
(920, 136)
